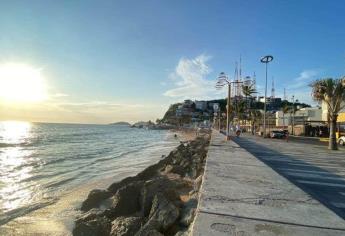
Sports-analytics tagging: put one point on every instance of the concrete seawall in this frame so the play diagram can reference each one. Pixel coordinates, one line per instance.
(240, 195)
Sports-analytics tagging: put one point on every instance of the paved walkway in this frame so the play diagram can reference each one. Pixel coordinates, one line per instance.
(313, 168)
(241, 195)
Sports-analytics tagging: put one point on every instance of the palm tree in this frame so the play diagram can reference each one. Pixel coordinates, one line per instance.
(285, 109)
(332, 92)
(240, 109)
(254, 115)
(248, 91)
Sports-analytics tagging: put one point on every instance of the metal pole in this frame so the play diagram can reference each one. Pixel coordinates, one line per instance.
(293, 115)
(228, 114)
(265, 103)
(266, 60)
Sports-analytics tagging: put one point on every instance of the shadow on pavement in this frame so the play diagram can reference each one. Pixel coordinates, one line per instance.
(330, 191)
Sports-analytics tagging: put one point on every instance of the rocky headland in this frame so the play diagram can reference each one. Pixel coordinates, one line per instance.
(160, 200)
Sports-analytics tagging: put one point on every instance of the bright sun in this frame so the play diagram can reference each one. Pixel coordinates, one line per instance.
(21, 83)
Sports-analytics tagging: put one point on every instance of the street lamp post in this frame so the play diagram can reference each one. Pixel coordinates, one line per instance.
(266, 59)
(222, 80)
(293, 114)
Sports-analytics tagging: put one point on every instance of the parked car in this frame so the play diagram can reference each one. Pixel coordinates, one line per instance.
(277, 134)
(341, 140)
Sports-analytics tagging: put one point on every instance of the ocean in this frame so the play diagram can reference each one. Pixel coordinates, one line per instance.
(46, 170)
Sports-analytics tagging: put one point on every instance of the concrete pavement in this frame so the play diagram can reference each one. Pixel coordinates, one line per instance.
(313, 168)
(241, 195)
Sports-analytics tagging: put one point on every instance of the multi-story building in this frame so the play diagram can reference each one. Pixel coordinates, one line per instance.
(201, 105)
(311, 114)
(273, 104)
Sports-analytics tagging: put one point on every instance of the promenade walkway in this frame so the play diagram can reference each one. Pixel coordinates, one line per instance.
(241, 195)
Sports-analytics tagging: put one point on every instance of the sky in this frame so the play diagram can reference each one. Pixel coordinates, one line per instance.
(107, 61)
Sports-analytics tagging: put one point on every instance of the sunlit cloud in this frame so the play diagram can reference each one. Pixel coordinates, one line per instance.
(59, 95)
(190, 79)
(83, 112)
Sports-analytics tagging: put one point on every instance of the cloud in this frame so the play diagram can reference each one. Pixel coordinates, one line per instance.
(83, 111)
(300, 86)
(97, 105)
(190, 80)
(307, 75)
(58, 95)
(303, 80)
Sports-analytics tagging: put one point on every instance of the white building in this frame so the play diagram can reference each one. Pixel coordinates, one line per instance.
(201, 105)
(301, 116)
(310, 113)
(341, 116)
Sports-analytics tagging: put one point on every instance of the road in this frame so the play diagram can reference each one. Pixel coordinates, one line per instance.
(307, 164)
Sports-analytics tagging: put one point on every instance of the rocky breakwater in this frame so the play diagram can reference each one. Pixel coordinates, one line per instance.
(161, 200)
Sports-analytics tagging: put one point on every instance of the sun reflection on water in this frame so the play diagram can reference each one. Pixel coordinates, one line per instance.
(14, 165)
(14, 132)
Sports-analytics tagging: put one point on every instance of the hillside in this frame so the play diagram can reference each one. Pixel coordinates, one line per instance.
(122, 123)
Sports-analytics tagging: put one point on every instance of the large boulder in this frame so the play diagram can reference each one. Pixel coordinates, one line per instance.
(197, 183)
(188, 212)
(148, 230)
(176, 169)
(99, 226)
(94, 199)
(117, 185)
(90, 215)
(183, 233)
(122, 226)
(163, 212)
(163, 215)
(152, 187)
(126, 201)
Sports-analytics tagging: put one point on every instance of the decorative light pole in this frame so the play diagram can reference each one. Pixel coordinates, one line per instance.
(293, 114)
(222, 81)
(266, 59)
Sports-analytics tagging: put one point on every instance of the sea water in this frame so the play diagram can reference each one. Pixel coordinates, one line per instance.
(41, 163)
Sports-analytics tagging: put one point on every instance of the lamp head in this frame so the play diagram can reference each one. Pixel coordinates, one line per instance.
(266, 59)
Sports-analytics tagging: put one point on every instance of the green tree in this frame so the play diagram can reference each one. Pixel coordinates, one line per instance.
(332, 92)
(248, 91)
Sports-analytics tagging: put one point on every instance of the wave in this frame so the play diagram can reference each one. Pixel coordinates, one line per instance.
(5, 145)
(42, 176)
(60, 182)
(12, 214)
